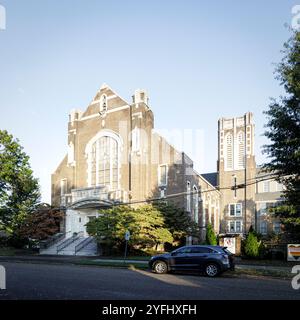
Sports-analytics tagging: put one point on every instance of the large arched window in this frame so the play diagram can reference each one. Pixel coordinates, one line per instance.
(241, 150)
(103, 162)
(229, 151)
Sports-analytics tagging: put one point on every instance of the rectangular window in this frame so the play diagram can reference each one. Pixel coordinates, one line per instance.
(163, 170)
(263, 208)
(266, 186)
(238, 226)
(235, 210)
(162, 193)
(238, 209)
(277, 227)
(279, 186)
(232, 210)
(263, 227)
(235, 226)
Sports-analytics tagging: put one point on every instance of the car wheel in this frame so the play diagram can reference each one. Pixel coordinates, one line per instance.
(160, 267)
(212, 270)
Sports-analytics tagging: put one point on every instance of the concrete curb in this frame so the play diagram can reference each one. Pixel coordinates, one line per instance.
(77, 259)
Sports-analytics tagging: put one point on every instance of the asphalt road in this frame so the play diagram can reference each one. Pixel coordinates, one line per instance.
(41, 281)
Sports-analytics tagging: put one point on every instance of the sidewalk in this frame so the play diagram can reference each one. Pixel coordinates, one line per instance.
(240, 265)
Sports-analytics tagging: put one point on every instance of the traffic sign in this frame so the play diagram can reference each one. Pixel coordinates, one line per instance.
(127, 235)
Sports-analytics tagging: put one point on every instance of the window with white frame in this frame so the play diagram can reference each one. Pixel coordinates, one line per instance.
(277, 227)
(263, 208)
(279, 186)
(235, 210)
(104, 163)
(162, 193)
(195, 203)
(188, 196)
(235, 226)
(266, 186)
(263, 229)
(163, 175)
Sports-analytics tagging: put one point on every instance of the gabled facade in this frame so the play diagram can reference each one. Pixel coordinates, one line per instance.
(115, 156)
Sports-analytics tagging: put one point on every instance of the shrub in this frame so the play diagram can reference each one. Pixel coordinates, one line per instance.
(251, 246)
(211, 237)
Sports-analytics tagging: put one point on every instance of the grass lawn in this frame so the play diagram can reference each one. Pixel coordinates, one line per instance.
(274, 263)
(10, 251)
(126, 265)
(139, 258)
(259, 272)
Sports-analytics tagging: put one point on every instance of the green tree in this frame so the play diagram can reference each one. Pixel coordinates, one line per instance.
(251, 246)
(211, 237)
(145, 223)
(178, 221)
(283, 130)
(19, 190)
(149, 227)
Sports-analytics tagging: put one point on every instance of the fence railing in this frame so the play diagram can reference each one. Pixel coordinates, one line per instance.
(83, 244)
(68, 241)
(45, 244)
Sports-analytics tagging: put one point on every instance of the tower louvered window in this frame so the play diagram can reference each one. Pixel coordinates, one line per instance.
(229, 151)
(241, 150)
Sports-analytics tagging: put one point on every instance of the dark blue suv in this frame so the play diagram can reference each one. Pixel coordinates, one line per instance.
(212, 260)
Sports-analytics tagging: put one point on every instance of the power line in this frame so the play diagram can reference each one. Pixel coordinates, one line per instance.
(185, 193)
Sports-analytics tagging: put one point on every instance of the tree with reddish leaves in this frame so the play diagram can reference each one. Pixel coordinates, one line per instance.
(42, 223)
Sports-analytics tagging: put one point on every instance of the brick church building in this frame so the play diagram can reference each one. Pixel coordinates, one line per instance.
(114, 156)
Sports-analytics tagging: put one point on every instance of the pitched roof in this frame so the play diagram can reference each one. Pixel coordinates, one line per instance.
(211, 177)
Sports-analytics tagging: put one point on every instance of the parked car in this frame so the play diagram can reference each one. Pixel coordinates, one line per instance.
(212, 260)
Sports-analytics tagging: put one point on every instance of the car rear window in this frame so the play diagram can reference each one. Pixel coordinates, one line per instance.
(227, 251)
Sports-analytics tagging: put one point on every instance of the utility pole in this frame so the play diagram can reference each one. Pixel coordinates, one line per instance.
(245, 164)
(130, 154)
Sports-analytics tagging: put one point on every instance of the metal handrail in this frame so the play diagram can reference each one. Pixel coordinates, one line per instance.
(52, 240)
(82, 244)
(66, 243)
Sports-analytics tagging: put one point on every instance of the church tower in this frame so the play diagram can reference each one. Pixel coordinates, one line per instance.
(236, 173)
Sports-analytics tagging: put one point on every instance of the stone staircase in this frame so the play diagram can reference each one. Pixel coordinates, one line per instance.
(76, 245)
(89, 248)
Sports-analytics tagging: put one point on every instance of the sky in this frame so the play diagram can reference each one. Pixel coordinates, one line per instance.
(199, 60)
